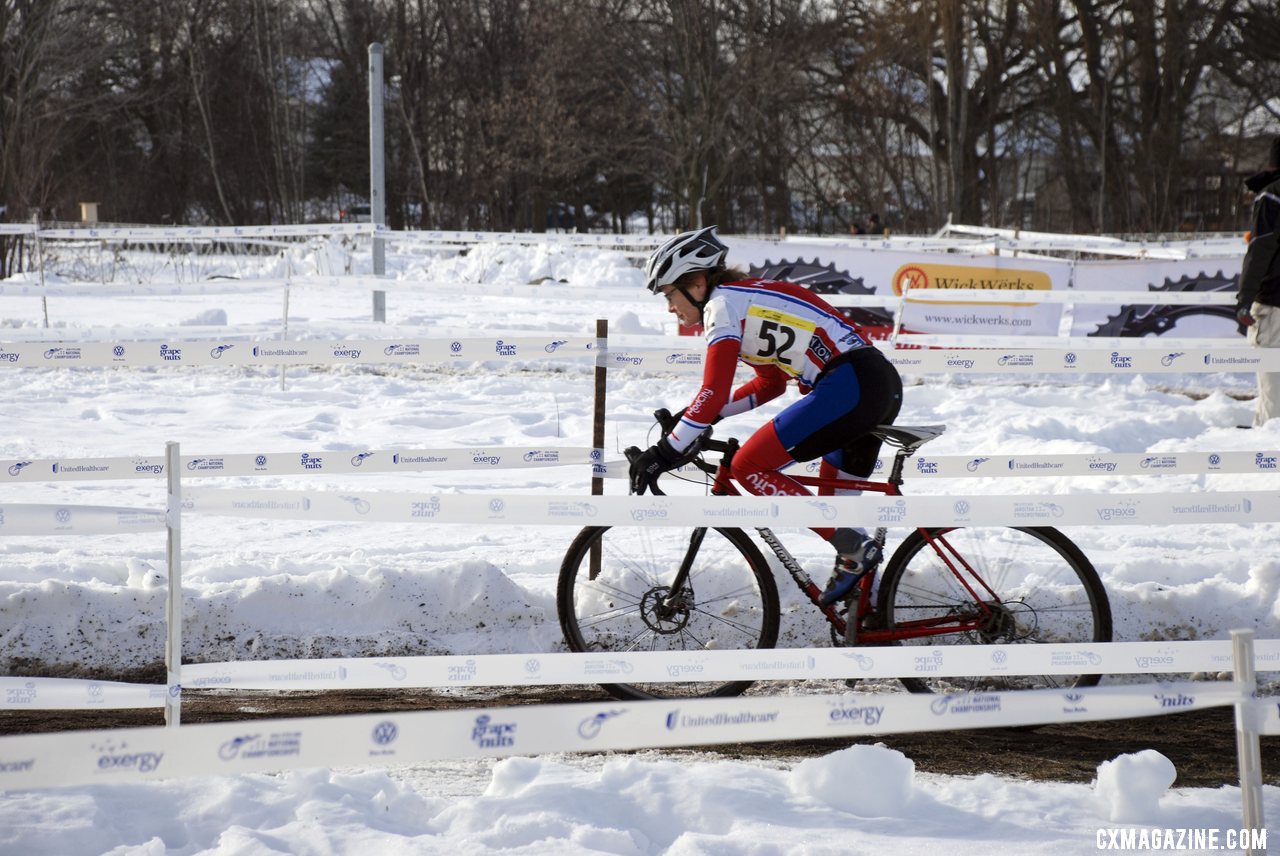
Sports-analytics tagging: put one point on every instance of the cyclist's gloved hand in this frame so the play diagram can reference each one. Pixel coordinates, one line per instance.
(651, 463)
(1244, 316)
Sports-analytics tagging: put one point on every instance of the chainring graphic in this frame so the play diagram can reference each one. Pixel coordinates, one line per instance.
(825, 279)
(1142, 319)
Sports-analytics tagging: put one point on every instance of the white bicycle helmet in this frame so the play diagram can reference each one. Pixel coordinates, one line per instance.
(700, 249)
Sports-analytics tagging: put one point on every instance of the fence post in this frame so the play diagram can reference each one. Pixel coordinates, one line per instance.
(39, 245)
(377, 175)
(173, 606)
(1248, 752)
(597, 428)
(284, 328)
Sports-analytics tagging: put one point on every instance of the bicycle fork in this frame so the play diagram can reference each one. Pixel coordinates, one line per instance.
(674, 602)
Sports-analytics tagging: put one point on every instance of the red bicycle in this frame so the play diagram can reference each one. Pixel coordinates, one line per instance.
(661, 588)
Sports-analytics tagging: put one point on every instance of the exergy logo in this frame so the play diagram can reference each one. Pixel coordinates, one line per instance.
(1127, 510)
(113, 757)
(19, 467)
(845, 714)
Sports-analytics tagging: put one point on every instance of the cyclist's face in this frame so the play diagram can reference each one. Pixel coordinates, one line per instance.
(680, 306)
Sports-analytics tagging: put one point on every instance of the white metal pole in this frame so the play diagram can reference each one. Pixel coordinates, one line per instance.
(173, 607)
(1248, 751)
(377, 174)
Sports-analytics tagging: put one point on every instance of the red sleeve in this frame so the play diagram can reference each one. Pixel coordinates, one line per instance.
(717, 382)
(769, 382)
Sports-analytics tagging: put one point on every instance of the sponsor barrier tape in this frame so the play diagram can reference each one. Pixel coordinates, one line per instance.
(484, 670)
(327, 462)
(914, 511)
(90, 289)
(1113, 658)
(977, 360)
(77, 520)
(1081, 359)
(77, 694)
(289, 353)
(149, 754)
(1131, 360)
(229, 234)
(324, 462)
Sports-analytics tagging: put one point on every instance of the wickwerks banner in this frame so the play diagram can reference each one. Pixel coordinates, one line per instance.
(886, 271)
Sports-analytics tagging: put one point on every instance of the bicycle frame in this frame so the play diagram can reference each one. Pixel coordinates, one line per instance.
(863, 631)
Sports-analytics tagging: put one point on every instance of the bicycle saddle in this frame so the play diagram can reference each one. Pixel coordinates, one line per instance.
(908, 437)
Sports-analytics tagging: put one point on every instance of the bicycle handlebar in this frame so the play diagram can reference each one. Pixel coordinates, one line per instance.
(667, 421)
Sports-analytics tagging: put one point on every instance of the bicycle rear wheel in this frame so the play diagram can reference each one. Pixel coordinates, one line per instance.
(730, 600)
(1037, 584)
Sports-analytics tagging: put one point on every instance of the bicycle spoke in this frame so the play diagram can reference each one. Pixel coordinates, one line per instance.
(728, 600)
(993, 585)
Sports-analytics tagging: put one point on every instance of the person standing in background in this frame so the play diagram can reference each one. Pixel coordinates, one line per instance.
(1258, 301)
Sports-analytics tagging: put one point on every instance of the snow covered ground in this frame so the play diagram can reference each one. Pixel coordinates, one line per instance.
(281, 589)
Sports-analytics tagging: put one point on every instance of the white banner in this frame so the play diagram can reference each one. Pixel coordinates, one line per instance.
(1164, 285)
(745, 511)
(323, 462)
(77, 520)
(326, 462)
(545, 669)
(1128, 361)
(148, 754)
(351, 673)
(291, 353)
(225, 234)
(77, 694)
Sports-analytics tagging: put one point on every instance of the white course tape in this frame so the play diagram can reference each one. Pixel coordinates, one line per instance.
(939, 661)
(678, 361)
(1024, 466)
(749, 511)
(326, 462)
(90, 289)
(1101, 464)
(77, 694)
(148, 754)
(483, 670)
(290, 353)
(227, 234)
(28, 470)
(77, 520)
(1127, 361)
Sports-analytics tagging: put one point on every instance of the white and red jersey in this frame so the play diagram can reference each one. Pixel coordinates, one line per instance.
(782, 330)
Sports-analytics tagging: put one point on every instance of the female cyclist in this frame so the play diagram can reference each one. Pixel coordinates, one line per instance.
(783, 332)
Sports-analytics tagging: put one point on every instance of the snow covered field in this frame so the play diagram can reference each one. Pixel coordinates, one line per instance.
(279, 589)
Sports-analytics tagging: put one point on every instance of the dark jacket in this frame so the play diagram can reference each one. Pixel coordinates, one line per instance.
(1260, 276)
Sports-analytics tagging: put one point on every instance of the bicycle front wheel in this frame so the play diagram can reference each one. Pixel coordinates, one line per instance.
(1010, 585)
(615, 594)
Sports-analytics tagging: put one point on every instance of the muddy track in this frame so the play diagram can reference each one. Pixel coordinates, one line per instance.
(1202, 744)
